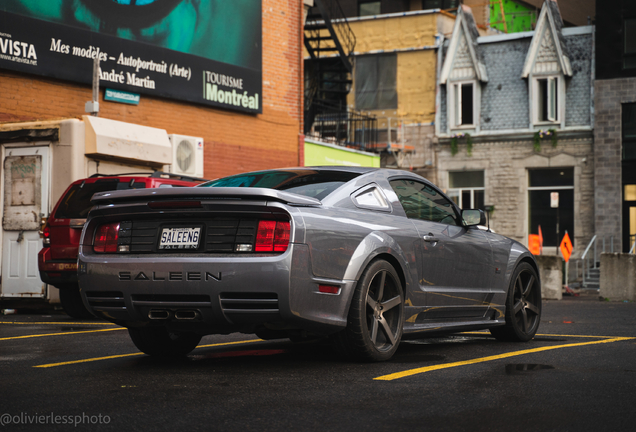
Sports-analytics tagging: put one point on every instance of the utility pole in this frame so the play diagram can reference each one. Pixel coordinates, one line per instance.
(92, 107)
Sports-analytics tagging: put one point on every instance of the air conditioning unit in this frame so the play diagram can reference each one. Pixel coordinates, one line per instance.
(187, 155)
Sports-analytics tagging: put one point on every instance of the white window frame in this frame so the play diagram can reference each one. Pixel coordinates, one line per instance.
(556, 94)
(457, 192)
(455, 104)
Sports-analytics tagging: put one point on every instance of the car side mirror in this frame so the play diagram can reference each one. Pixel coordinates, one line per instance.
(474, 217)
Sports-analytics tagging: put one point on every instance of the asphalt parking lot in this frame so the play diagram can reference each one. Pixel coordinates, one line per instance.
(579, 373)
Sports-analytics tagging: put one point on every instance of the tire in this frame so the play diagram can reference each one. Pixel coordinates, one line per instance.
(72, 303)
(376, 316)
(159, 342)
(523, 306)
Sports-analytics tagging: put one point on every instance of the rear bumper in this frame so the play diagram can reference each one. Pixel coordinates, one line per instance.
(213, 294)
(59, 273)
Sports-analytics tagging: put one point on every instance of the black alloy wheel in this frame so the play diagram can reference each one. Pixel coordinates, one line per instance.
(523, 306)
(375, 321)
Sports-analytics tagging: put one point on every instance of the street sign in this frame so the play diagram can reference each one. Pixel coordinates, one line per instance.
(121, 96)
(554, 199)
(566, 247)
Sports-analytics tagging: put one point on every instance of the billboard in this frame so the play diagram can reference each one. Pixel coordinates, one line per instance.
(202, 51)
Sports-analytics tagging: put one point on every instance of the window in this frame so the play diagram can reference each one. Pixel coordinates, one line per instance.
(375, 82)
(369, 8)
(423, 202)
(439, 4)
(371, 198)
(463, 104)
(542, 183)
(629, 48)
(629, 132)
(628, 153)
(467, 189)
(547, 100)
(629, 216)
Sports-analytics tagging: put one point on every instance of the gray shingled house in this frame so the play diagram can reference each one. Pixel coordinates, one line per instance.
(515, 125)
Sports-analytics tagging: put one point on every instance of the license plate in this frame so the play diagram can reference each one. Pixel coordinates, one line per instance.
(180, 238)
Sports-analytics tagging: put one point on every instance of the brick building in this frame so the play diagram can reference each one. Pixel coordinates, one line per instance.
(226, 73)
(234, 141)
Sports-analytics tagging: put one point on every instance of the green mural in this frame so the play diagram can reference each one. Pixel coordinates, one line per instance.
(518, 17)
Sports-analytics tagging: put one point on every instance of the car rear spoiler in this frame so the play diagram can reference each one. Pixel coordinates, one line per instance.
(156, 174)
(202, 193)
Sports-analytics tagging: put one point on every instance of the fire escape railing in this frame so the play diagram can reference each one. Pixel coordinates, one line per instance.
(340, 34)
(346, 128)
(330, 42)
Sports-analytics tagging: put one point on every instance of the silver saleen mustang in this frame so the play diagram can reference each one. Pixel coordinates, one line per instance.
(364, 256)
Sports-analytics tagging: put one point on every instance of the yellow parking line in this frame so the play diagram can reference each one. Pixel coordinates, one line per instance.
(136, 354)
(59, 334)
(578, 336)
(410, 372)
(58, 323)
(486, 333)
(87, 360)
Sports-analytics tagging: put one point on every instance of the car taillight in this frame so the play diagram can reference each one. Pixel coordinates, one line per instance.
(272, 236)
(106, 238)
(281, 236)
(46, 235)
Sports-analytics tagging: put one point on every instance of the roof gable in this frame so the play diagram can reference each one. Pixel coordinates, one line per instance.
(463, 59)
(548, 52)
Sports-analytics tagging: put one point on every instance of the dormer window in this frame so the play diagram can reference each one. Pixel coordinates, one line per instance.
(462, 73)
(546, 67)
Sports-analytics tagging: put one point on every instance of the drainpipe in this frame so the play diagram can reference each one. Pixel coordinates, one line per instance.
(307, 4)
(439, 42)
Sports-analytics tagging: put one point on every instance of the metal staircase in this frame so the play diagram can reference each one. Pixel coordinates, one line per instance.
(591, 261)
(330, 44)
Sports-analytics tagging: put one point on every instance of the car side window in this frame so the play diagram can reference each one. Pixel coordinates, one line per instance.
(423, 202)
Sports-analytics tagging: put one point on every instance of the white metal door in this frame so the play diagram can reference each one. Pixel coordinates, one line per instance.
(25, 173)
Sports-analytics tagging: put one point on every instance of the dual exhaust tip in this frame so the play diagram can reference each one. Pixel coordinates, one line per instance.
(181, 314)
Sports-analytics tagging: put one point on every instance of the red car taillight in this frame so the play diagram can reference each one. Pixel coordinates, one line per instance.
(106, 238)
(272, 236)
(46, 235)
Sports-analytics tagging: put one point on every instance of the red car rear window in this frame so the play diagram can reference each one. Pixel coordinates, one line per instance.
(77, 201)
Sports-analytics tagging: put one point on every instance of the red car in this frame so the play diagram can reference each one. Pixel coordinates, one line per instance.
(57, 261)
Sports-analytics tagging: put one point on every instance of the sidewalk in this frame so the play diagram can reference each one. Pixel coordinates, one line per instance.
(581, 294)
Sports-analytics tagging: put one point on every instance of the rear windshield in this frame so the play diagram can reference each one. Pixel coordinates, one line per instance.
(77, 201)
(315, 184)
